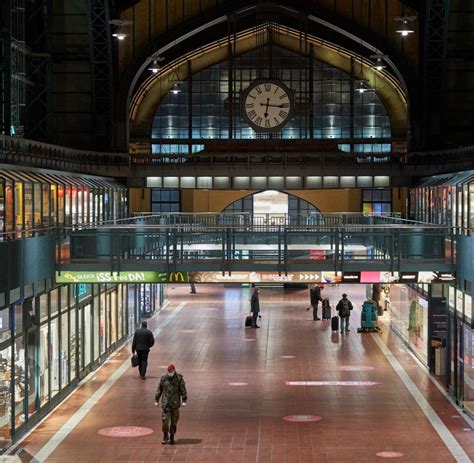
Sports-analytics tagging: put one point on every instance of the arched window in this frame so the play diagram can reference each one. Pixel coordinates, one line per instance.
(207, 108)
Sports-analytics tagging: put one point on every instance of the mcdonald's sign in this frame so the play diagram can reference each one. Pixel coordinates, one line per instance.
(178, 277)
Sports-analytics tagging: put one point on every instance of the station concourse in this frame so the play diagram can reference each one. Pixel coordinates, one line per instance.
(183, 164)
(365, 400)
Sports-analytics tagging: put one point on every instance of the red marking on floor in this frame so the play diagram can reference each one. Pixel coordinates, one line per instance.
(390, 454)
(302, 418)
(125, 431)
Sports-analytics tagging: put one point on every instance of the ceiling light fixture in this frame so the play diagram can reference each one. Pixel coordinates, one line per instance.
(154, 67)
(405, 29)
(379, 64)
(119, 34)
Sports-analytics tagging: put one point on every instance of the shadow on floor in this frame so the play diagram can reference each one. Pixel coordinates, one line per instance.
(188, 441)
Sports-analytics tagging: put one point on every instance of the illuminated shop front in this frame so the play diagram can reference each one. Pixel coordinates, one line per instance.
(51, 341)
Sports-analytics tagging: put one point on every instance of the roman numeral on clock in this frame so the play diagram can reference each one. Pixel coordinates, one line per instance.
(259, 90)
(252, 114)
(268, 87)
(250, 105)
(283, 114)
(267, 124)
(258, 120)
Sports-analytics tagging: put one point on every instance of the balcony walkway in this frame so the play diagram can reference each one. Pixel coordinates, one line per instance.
(238, 399)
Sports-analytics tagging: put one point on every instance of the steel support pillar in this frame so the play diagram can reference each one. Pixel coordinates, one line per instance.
(434, 71)
(39, 102)
(101, 59)
(5, 66)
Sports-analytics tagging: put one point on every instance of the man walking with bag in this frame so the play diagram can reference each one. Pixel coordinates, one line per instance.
(143, 340)
(344, 308)
(173, 394)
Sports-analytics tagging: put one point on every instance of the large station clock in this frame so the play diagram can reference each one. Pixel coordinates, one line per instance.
(267, 105)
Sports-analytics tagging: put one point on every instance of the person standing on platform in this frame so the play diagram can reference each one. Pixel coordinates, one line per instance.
(173, 394)
(255, 306)
(193, 288)
(344, 307)
(315, 297)
(143, 341)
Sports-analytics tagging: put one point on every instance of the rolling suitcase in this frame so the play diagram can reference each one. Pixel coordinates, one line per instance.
(326, 310)
(335, 323)
(248, 321)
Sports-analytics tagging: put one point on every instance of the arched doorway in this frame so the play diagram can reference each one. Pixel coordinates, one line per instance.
(272, 207)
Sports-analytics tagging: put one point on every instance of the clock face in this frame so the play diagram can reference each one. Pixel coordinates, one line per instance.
(267, 105)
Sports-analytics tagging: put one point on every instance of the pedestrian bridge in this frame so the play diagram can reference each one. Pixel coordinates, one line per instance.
(245, 248)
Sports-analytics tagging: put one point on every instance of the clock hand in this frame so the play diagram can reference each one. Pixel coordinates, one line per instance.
(266, 108)
(272, 105)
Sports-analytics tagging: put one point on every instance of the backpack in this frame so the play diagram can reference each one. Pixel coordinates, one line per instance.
(345, 308)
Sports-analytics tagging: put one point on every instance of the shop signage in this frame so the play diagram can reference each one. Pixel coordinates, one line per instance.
(253, 277)
(110, 277)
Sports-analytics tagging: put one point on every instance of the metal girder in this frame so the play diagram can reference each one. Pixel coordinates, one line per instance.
(38, 121)
(434, 70)
(101, 58)
(5, 66)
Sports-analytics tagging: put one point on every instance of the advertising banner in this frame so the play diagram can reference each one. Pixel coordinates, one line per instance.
(253, 277)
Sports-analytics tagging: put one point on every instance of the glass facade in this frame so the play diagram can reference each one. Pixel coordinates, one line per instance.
(409, 318)
(51, 340)
(30, 200)
(326, 105)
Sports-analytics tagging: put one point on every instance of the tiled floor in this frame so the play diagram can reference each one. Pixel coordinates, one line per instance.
(245, 423)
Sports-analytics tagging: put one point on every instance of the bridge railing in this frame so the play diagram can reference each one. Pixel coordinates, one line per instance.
(254, 246)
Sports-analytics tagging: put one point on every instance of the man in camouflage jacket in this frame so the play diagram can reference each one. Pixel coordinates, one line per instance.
(172, 392)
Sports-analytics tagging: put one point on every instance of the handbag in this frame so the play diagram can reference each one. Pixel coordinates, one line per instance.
(134, 360)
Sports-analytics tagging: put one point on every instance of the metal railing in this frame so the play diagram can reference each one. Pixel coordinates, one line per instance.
(30, 152)
(252, 246)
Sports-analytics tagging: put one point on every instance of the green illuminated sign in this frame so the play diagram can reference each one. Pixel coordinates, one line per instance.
(112, 277)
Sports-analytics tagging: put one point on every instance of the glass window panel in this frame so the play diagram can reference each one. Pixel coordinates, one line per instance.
(63, 353)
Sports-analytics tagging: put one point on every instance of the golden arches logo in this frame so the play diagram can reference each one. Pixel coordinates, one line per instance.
(178, 277)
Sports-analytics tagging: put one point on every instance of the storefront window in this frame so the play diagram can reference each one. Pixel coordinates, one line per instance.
(87, 331)
(19, 382)
(61, 204)
(72, 341)
(54, 302)
(5, 395)
(459, 304)
(452, 297)
(102, 323)
(409, 312)
(131, 306)
(4, 324)
(18, 205)
(33, 370)
(119, 312)
(468, 368)
(46, 205)
(63, 352)
(113, 318)
(468, 308)
(54, 351)
(64, 304)
(43, 365)
(18, 318)
(37, 205)
(96, 329)
(54, 205)
(8, 206)
(43, 307)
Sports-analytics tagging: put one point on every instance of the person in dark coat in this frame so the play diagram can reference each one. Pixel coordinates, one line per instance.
(344, 307)
(143, 341)
(173, 394)
(255, 307)
(315, 297)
